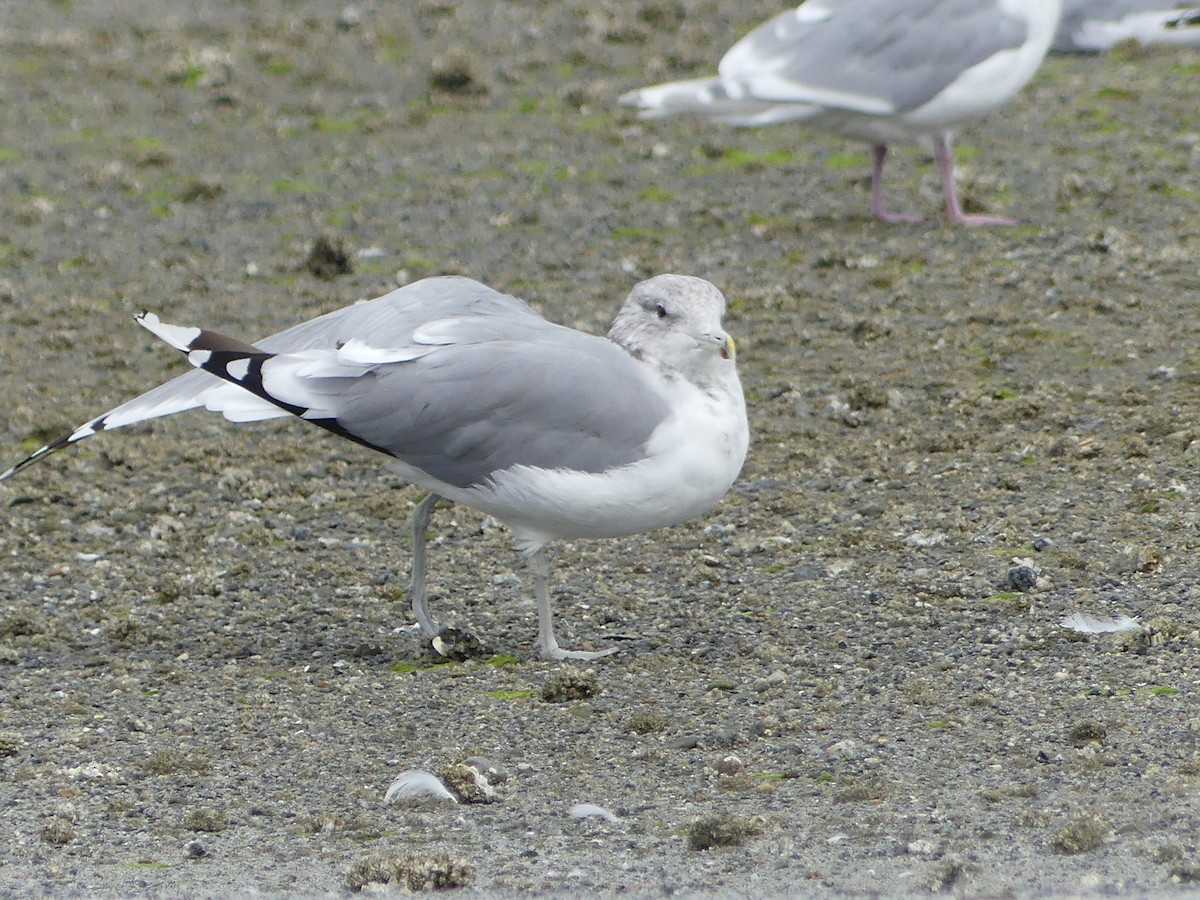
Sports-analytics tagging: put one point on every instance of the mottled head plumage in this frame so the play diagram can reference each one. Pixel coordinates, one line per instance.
(676, 321)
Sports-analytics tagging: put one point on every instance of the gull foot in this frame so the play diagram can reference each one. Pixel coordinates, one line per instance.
(974, 219)
(897, 218)
(560, 654)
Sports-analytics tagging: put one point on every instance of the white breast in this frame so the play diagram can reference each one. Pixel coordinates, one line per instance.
(692, 460)
(993, 82)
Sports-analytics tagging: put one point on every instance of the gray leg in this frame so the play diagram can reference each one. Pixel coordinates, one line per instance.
(877, 207)
(547, 643)
(420, 604)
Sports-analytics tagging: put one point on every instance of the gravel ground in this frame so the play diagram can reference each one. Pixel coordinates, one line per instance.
(207, 678)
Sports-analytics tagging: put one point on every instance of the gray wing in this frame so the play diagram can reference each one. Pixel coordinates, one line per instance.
(554, 399)
(872, 56)
(385, 321)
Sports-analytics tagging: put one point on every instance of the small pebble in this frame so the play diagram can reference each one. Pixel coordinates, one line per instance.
(775, 679)
(328, 259)
(1022, 578)
(844, 748)
(467, 784)
(922, 847)
(492, 771)
(570, 683)
(729, 765)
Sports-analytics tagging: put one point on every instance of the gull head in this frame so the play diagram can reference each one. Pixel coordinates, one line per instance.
(676, 321)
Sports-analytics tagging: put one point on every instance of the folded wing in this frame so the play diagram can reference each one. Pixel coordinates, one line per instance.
(389, 321)
(875, 57)
(460, 398)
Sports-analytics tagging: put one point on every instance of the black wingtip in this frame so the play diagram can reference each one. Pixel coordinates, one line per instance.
(53, 447)
(86, 430)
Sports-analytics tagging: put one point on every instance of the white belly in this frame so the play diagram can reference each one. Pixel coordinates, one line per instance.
(692, 460)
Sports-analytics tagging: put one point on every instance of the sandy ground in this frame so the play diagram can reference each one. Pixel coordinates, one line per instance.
(207, 674)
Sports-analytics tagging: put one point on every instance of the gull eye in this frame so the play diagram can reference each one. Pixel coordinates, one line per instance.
(661, 310)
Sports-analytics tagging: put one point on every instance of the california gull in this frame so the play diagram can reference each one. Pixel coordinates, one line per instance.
(876, 70)
(478, 399)
(1093, 25)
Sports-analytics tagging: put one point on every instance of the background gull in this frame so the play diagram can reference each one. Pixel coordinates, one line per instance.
(480, 400)
(1092, 25)
(878, 70)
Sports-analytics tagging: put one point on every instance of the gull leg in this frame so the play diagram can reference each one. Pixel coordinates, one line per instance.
(943, 153)
(420, 602)
(877, 209)
(547, 643)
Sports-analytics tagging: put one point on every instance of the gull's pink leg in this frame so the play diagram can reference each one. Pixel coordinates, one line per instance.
(944, 154)
(877, 209)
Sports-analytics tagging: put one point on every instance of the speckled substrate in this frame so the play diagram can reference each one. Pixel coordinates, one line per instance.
(207, 674)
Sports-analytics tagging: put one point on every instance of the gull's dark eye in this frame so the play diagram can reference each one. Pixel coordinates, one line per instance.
(661, 310)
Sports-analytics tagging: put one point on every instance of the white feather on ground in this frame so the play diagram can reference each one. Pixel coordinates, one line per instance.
(592, 811)
(1086, 624)
(417, 786)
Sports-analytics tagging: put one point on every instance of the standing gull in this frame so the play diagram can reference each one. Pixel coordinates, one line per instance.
(876, 70)
(479, 400)
(1093, 25)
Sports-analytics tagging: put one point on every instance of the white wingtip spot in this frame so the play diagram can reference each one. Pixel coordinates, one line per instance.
(177, 337)
(236, 369)
(197, 358)
(83, 431)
